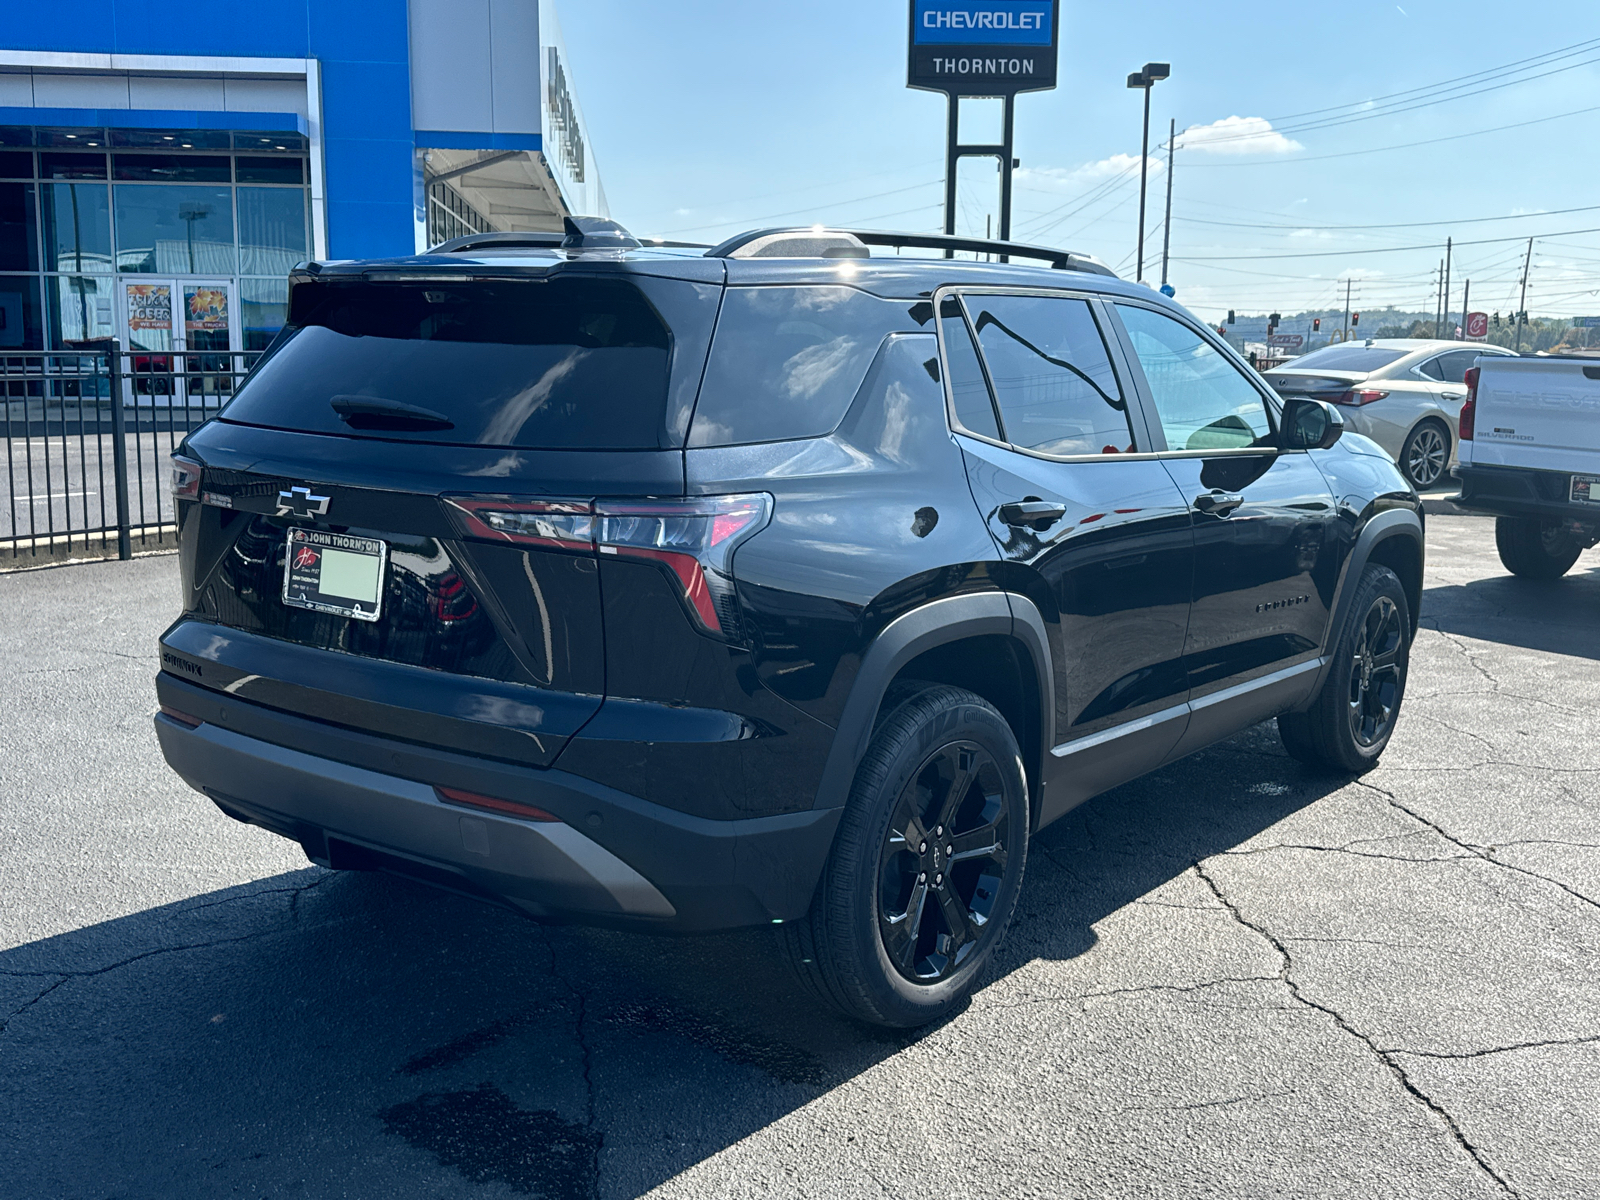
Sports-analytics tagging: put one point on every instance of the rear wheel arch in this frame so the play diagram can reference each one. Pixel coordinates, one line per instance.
(993, 644)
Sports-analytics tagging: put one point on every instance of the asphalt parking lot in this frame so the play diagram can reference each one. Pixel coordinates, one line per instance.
(1231, 978)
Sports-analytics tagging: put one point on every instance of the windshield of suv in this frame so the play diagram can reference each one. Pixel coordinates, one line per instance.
(577, 363)
(1346, 358)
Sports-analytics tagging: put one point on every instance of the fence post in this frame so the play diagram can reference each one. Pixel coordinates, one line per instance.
(119, 448)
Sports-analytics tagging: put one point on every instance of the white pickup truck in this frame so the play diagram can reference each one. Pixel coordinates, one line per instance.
(1530, 454)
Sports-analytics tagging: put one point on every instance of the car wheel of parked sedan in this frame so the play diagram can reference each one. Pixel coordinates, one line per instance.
(1535, 549)
(1425, 454)
(1350, 721)
(926, 866)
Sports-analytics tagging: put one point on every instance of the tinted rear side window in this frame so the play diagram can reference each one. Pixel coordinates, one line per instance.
(787, 361)
(576, 363)
(969, 390)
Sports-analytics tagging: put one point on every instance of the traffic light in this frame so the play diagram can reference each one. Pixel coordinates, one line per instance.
(1355, 319)
(1316, 324)
(1496, 320)
(1275, 320)
(1230, 316)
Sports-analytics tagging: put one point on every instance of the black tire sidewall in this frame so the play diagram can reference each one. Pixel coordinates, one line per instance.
(902, 745)
(1376, 581)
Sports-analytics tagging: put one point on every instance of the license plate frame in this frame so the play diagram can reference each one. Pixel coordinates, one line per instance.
(1584, 489)
(306, 555)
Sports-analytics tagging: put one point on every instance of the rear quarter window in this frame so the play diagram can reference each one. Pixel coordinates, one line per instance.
(786, 361)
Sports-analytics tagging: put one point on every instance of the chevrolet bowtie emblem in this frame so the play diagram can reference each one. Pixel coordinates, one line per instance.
(299, 502)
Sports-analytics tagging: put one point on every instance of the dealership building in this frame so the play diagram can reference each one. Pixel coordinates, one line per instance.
(161, 170)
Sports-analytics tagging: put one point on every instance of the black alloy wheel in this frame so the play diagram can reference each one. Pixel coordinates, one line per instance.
(1425, 454)
(1347, 724)
(926, 865)
(942, 862)
(1375, 673)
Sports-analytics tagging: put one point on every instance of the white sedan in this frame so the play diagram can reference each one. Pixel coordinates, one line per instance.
(1403, 393)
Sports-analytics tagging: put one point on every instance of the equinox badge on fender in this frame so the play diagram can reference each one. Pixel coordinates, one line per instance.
(299, 502)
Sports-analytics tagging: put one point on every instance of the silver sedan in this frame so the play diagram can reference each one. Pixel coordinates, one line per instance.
(1403, 393)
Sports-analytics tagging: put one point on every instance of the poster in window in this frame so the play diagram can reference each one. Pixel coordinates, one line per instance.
(150, 306)
(206, 309)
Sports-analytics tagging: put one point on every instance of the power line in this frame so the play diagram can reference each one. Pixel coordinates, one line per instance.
(1374, 250)
(1555, 212)
(1261, 162)
(749, 221)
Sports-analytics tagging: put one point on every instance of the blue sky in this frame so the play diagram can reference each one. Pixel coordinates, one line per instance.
(708, 117)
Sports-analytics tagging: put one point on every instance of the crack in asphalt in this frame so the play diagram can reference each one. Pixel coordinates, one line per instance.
(1286, 976)
(1075, 997)
(15, 1013)
(1477, 851)
(1466, 652)
(1199, 1104)
(1578, 1041)
(585, 1052)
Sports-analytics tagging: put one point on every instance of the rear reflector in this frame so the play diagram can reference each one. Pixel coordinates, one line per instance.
(1469, 409)
(494, 804)
(182, 718)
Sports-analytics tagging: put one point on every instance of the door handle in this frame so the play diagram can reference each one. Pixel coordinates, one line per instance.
(1217, 502)
(1454, 395)
(1038, 515)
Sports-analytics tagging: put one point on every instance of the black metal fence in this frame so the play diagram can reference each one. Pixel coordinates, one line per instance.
(88, 432)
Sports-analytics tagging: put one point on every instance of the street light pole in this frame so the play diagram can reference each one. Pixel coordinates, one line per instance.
(1144, 80)
(1166, 225)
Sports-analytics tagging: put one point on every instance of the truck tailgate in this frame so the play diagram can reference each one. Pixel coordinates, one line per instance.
(1538, 413)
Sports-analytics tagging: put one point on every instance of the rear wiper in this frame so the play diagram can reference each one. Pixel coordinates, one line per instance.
(374, 412)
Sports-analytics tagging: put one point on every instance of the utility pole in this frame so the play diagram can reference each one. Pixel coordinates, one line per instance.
(1447, 248)
(1466, 304)
(1438, 300)
(1166, 226)
(1346, 336)
(1522, 305)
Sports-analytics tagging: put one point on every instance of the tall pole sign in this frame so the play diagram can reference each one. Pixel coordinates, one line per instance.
(993, 48)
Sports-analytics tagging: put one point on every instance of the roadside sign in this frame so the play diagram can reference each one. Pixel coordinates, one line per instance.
(1290, 341)
(1586, 322)
(983, 47)
(1477, 327)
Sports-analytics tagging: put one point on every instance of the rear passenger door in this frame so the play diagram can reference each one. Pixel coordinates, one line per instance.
(1266, 559)
(1087, 520)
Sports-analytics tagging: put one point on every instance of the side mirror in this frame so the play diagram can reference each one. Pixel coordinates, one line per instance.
(1310, 424)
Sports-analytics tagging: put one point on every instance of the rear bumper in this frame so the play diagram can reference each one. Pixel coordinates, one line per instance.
(357, 800)
(1523, 492)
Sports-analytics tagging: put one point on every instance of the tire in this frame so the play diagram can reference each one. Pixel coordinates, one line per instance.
(1535, 549)
(1353, 715)
(879, 878)
(1425, 454)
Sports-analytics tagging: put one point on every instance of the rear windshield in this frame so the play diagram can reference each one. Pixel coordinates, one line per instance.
(1347, 358)
(575, 363)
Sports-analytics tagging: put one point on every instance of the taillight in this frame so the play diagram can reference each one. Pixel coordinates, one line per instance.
(181, 717)
(510, 808)
(1358, 396)
(185, 478)
(694, 539)
(563, 524)
(1469, 408)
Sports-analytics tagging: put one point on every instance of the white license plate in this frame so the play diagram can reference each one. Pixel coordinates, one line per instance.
(334, 573)
(1585, 489)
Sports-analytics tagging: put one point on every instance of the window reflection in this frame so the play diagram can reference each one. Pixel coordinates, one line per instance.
(272, 229)
(80, 308)
(265, 305)
(175, 229)
(77, 227)
(18, 229)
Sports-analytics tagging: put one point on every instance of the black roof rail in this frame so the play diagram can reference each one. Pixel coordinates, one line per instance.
(1065, 260)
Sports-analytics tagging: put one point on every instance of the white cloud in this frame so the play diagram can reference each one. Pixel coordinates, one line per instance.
(1237, 135)
(1072, 180)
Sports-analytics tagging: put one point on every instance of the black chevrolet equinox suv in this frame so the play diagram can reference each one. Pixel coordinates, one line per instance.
(797, 581)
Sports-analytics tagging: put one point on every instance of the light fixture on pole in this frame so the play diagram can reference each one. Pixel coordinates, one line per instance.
(1144, 80)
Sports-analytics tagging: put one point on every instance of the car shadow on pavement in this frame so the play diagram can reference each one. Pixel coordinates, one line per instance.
(1561, 616)
(360, 1035)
